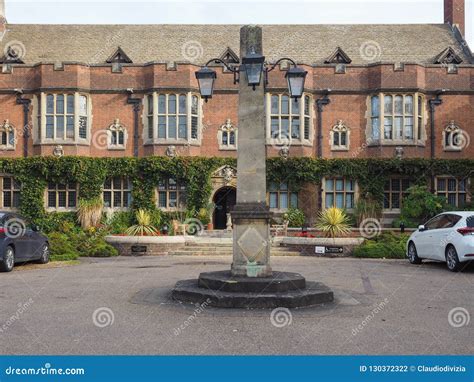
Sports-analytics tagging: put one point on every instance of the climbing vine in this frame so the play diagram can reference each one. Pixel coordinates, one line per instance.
(90, 173)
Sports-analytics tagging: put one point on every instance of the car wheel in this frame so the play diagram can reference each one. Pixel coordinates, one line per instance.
(452, 259)
(8, 262)
(44, 259)
(413, 254)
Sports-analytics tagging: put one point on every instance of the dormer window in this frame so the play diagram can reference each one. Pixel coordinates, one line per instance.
(340, 137)
(338, 57)
(7, 136)
(227, 136)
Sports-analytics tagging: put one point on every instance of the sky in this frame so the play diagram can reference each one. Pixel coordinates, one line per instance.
(233, 12)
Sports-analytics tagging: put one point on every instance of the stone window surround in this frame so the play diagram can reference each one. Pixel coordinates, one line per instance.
(125, 186)
(268, 115)
(228, 127)
(419, 137)
(445, 193)
(323, 192)
(116, 127)
(60, 209)
(8, 128)
(39, 121)
(340, 127)
(13, 189)
(449, 133)
(156, 140)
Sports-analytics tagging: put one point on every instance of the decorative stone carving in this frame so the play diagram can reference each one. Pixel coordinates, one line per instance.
(227, 136)
(226, 173)
(58, 151)
(399, 151)
(285, 152)
(171, 151)
(116, 125)
(7, 126)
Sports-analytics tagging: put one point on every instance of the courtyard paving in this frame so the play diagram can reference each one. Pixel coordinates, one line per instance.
(97, 307)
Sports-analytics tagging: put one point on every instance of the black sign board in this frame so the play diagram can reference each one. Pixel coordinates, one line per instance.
(333, 249)
(138, 248)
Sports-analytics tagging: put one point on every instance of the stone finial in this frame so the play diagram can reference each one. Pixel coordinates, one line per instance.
(58, 151)
(171, 151)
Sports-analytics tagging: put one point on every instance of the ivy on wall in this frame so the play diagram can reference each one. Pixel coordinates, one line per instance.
(34, 173)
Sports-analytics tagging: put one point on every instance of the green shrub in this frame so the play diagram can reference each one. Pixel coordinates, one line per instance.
(295, 217)
(118, 222)
(387, 245)
(61, 247)
(63, 222)
(367, 208)
(101, 249)
(419, 206)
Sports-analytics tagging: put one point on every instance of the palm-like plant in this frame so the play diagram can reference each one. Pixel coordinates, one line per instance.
(143, 226)
(89, 212)
(333, 222)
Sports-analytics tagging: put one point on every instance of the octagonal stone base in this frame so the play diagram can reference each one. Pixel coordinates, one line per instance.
(223, 290)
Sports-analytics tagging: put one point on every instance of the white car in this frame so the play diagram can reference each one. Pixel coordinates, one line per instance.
(447, 237)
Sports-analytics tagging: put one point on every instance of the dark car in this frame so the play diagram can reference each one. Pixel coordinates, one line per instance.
(20, 242)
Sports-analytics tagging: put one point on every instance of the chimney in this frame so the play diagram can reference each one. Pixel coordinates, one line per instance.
(454, 13)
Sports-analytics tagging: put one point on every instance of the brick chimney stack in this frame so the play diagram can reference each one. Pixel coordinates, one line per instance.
(454, 13)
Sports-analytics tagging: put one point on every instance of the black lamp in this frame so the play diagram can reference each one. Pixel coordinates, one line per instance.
(206, 78)
(253, 66)
(296, 77)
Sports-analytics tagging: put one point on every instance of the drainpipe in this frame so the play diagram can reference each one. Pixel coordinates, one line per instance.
(432, 104)
(136, 109)
(26, 126)
(320, 103)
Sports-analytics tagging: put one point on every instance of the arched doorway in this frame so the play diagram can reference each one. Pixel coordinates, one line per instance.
(224, 201)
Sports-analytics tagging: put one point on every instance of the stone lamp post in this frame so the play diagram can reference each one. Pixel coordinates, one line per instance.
(251, 283)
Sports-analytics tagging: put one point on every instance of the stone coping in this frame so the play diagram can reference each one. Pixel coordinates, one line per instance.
(322, 241)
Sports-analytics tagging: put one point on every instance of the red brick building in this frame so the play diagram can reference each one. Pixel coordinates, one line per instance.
(371, 91)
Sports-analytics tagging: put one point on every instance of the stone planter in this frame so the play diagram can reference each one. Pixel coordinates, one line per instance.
(145, 245)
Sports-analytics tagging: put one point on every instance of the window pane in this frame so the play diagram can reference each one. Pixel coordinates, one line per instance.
(329, 200)
(49, 104)
(343, 138)
(375, 129)
(72, 199)
(452, 184)
(398, 127)
(294, 200)
(349, 200)
(61, 198)
(117, 199)
(275, 127)
(194, 105)
(60, 127)
(51, 199)
(82, 127)
(161, 127)
(162, 104)
(339, 184)
(232, 138)
(409, 105)
(173, 199)
(285, 107)
(306, 127)
(395, 200)
(388, 127)
(399, 105)
(274, 104)
(117, 182)
(329, 184)
(375, 106)
(273, 200)
(388, 105)
(339, 200)
(452, 199)
(283, 186)
(349, 185)
(409, 128)
(194, 127)
(82, 105)
(127, 199)
(70, 104)
(162, 199)
(49, 127)
(172, 127)
(284, 200)
(7, 199)
(335, 137)
(150, 127)
(70, 127)
(107, 199)
(150, 104)
(7, 183)
(285, 128)
(182, 104)
(16, 199)
(224, 138)
(441, 185)
(60, 104)
(121, 138)
(306, 105)
(182, 130)
(171, 104)
(295, 128)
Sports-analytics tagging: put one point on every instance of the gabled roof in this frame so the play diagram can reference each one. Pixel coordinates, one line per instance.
(338, 57)
(307, 44)
(448, 56)
(229, 56)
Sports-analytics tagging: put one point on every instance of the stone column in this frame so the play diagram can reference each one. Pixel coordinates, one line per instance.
(251, 216)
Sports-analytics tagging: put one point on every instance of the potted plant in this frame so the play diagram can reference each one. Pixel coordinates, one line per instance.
(143, 226)
(333, 222)
(204, 216)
